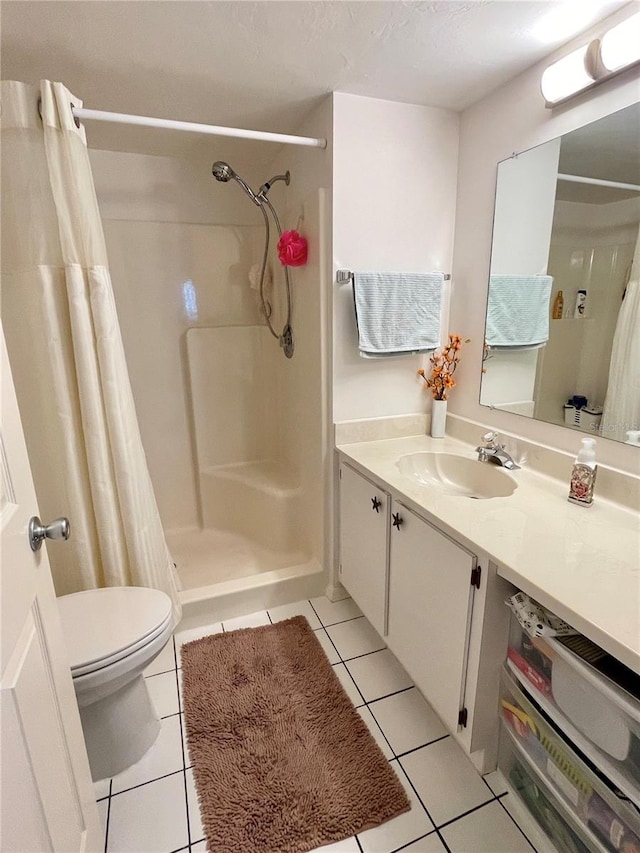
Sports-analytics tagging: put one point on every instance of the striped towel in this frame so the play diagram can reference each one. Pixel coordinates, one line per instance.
(397, 313)
(518, 311)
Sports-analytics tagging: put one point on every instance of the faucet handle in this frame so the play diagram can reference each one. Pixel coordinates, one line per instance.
(490, 439)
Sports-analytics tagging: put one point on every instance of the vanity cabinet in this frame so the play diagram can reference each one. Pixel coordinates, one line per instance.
(438, 605)
(432, 581)
(364, 535)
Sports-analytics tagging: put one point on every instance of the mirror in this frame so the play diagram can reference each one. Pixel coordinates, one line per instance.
(562, 334)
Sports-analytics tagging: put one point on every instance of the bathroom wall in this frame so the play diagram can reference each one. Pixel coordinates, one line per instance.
(395, 169)
(514, 118)
(180, 249)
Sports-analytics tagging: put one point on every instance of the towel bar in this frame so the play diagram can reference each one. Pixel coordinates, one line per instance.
(345, 276)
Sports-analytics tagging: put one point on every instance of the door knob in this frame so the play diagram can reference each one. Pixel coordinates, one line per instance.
(397, 520)
(58, 529)
(376, 503)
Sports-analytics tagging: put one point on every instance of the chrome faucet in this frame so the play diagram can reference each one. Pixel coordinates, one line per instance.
(493, 451)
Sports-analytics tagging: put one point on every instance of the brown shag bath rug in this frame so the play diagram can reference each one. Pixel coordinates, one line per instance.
(283, 763)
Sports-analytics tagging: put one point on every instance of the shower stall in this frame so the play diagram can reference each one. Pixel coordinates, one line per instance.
(234, 432)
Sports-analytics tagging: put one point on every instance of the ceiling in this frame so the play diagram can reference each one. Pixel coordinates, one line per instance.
(264, 65)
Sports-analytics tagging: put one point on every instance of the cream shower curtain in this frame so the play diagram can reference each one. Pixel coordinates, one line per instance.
(66, 353)
(622, 405)
(621, 411)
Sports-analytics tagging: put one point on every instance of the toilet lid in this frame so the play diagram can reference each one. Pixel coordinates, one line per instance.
(101, 626)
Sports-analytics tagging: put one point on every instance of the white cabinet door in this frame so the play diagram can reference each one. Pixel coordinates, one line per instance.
(47, 800)
(364, 514)
(430, 603)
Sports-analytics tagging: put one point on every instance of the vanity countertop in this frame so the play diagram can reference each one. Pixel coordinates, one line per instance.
(583, 563)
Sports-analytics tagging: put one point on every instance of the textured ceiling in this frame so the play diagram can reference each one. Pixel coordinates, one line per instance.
(264, 65)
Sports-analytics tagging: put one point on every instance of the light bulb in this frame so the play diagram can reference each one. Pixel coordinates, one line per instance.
(566, 76)
(621, 45)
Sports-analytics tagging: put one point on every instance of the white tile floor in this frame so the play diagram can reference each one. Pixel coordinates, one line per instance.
(152, 806)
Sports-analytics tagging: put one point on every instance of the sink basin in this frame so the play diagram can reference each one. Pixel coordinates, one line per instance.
(457, 475)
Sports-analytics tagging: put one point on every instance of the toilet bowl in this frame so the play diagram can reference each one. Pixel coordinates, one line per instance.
(112, 635)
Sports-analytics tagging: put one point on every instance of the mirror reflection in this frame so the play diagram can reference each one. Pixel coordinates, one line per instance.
(562, 339)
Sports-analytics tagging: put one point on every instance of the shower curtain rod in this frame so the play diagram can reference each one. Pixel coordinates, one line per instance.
(191, 127)
(598, 182)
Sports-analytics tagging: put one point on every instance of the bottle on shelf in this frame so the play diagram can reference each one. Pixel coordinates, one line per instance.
(558, 306)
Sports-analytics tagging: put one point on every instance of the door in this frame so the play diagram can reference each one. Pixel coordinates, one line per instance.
(430, 606)
(364, 514)
(47, 800)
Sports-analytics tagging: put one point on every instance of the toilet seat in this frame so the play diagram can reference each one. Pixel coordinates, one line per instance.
(104, 626)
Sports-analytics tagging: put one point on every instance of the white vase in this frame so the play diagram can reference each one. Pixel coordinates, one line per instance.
(438, 418)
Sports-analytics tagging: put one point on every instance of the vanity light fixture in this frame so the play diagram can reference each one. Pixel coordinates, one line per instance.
(566, 77)
(620, 47)
(593, 63)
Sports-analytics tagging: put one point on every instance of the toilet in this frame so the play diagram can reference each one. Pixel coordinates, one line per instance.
(112, 635)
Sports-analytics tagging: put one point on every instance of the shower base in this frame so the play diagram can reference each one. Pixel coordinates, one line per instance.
(203, 557)
(221, 574)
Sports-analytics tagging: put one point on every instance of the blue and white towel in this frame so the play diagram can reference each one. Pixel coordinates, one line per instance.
(518, 310)
(397, 313)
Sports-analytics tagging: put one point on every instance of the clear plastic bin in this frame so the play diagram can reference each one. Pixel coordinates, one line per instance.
(600, 817)
(598, 715)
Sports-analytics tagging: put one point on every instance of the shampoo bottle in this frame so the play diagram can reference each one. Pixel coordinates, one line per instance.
(558, 306)
(583, 475)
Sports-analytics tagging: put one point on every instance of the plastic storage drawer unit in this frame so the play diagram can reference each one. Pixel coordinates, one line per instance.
(601, 717)
(599, 816)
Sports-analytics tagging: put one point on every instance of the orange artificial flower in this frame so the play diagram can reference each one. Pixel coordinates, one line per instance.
(443, 366)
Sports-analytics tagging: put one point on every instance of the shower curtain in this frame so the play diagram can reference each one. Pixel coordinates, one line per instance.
(66, 353)
(622, 404)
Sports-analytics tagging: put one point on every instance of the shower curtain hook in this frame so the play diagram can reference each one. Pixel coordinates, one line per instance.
(76, 120)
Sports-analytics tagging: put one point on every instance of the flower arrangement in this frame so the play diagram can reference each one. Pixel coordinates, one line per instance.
(292, 249)
(443, 366)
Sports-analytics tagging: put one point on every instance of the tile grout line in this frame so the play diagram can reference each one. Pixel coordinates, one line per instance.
(393, 752)
(468, 812)
(387, 695)
(324, 628)
(423, 746)
(365, 654)
(148, 782)
(331, 624)
(182, 748)
(415, 840)
(106, 826)
(427, 812)
(499, 799)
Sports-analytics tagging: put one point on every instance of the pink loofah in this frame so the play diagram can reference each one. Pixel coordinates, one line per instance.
(292, 249)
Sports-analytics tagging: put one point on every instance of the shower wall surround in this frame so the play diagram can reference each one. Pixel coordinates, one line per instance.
(180, 256)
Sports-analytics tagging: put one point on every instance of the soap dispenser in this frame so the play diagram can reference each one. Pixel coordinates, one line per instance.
(583, 475)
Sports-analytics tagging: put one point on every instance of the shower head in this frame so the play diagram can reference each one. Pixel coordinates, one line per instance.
(222, 171)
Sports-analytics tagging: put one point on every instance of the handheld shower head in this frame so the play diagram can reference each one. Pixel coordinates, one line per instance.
(222, 171)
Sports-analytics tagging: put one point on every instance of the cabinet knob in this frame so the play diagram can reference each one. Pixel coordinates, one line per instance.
(397, 520)
(376, 503)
